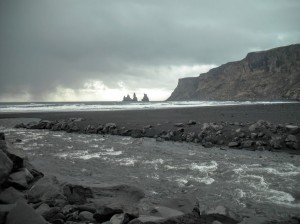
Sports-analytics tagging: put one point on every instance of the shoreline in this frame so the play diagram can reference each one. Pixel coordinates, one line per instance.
(253, 127)
(275, 113)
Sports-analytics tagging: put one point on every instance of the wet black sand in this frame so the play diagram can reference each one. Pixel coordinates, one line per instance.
(164, 119)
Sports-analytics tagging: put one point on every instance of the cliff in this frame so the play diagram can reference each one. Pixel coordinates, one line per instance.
(266, 75)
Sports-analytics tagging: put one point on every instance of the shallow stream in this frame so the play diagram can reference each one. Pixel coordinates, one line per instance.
(250, 183)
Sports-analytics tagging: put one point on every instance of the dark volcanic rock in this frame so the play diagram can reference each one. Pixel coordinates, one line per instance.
(86, 216)
(4, 210)
(23, 213)
(120, 218)
(265, 75)
(6, 166)
(134, 98)
(105, 213)
(233, 144)
(2, 136)
(11, 196)
(76, 194)
(191, 122)
(46, 190)
(292, 142)
(20, 179)
(293, 129)
(145, 98)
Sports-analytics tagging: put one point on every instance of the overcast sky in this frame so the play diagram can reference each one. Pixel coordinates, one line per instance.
(70, 50)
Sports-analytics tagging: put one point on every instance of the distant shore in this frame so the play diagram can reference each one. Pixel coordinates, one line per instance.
(273, 127)
(165, 118)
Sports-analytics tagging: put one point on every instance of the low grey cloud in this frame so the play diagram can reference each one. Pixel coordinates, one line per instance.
(46, 44)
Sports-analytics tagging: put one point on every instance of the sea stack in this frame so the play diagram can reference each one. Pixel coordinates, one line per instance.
(134, 98)
(145, 98)
(127, 98)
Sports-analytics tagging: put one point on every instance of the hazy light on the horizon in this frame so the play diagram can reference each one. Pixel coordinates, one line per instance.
(51, 50)
(95, 90)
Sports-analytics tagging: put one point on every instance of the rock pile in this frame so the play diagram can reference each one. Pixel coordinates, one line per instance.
(260, 135)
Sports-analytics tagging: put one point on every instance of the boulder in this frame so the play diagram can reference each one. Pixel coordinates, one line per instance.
(6, 166)
(68, 209)
(24, 214)
(47, 190)
(21, 125)
(52, 214)
(276, 142)
(90, 129)
(34, 172)
(293, 129)
(179, 125)
(110, 125)
(253, 135)
(291, 142)
(247, 144)
(73, 128)
(11, 196)
(17, 157)
(221, 210)
(120, 218)
(86, 207)
(146, 219)
(20, 179)
(105, 213)
(233, 144)
(136, 133)
(86, 216)
(135, 221)
(77, 194)
(190, 218)
(191, 122)
(148, 126)
(43, 209)
(4, 210)
(190, 136)
(165, 212)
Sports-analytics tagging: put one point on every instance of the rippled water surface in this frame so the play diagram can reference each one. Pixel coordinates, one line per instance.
(261, 183)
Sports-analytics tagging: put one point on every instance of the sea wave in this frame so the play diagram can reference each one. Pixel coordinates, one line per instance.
(111, 106)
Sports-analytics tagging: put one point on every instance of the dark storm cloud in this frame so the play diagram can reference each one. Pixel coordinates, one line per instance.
(45, 44)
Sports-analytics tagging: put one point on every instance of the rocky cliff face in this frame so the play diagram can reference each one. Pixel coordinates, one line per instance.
(267, 75)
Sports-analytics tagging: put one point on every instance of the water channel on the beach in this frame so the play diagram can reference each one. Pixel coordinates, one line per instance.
(261, 183)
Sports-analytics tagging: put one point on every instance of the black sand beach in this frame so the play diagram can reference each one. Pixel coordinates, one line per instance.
(164, 119)
(226, 185)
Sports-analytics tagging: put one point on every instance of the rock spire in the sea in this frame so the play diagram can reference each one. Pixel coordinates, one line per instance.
(145, 98)
(127, 98)
(134, 98)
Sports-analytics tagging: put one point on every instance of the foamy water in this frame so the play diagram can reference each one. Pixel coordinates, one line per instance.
(247, 182)
(110, 106)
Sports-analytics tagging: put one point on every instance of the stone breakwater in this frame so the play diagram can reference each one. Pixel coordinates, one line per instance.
(260, 135)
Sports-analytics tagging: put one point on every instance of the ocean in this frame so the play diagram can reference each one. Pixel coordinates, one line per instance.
(14, 107)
